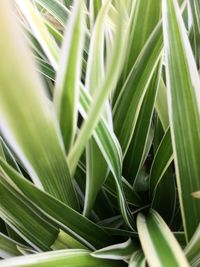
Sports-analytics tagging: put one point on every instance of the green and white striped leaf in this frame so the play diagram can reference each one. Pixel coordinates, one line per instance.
(192, 249)
(66, 92)
(34, 137)
(183, 96)
(60, 258)
(159, 245)
(161, 105)
(94, 115)
(137, 260)
(129, 102)
(42, 35)
(111, 150)
(136, 153)
(162, 160)
(18, 212)
(120, 251)
(142, 27)
(59, 11)
(195, 9)
(8, 247)
(94, 76)
(73, 223)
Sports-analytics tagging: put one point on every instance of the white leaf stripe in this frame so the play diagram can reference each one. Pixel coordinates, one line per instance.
(159, 245)
(39, 29)
(183, 96)
(66, 91)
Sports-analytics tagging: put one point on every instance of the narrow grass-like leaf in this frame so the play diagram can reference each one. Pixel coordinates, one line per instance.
(111, 77)
(94, 76)
(128, 104)
(67, 258)
(94, 7)
(19, 213)
(162, 160)
(161, 105)
(159, 245)
(7, 155)
(34, 137)
(111, 150)
(34, 19)
(109, 82)
(137, 260)
(142, 27)
(65, 218)
(8, 247)
(192, 249)
(195, 8)
(183, 95)
(120, 251)
(135, 155)
(66, 93)
(55, 8)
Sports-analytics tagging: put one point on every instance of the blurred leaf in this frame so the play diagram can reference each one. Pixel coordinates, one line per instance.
(192, 249)
(40, 31)
(61, 258)
(34, 135)
(8, 247)
(137, 260)
(195, 9)
(56, 9)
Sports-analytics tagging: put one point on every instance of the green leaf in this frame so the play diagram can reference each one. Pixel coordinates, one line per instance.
(7, 155)
(111, 150)
(183, 96)
(34, 137)
(159, 245)
(161, 105)
(129, 102)
(40, 31)
(66, 92)
(111, 76)
(195, 8)
(8, 247)
(162, 160)
(137, 260)
(94, 76)
(19, 213)
(192, 249)
(142, 27)
(67, 258)
(135, 155)
(120, 251)
(73, 223)
(94, 115)
(56, 9)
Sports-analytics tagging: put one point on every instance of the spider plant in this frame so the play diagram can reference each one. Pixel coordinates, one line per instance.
(100, 133)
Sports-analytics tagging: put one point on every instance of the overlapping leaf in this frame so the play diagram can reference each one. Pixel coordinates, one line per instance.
(34, 136)
(183, 95)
